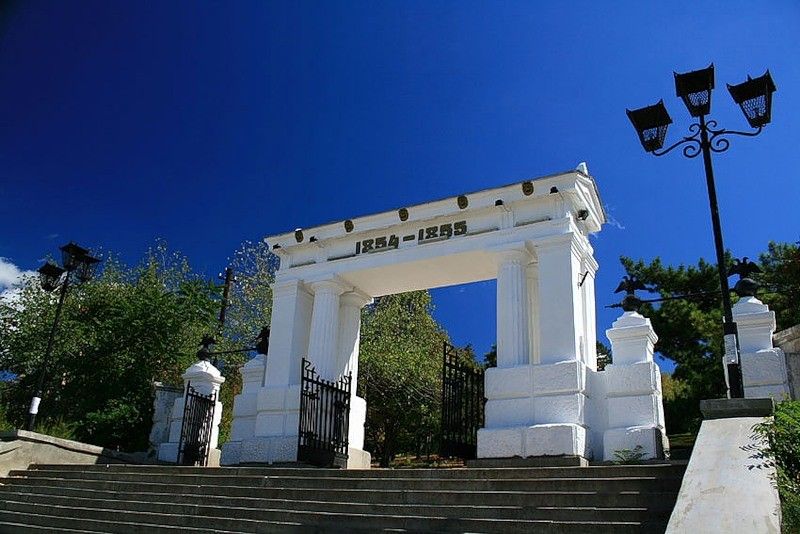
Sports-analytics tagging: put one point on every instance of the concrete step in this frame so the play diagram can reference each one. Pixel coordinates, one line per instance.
(122, 521)
(610, 484)
(596, 497)
(273, 509)
(603, 471)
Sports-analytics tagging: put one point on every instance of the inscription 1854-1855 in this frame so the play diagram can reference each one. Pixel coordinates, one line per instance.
(429, 233)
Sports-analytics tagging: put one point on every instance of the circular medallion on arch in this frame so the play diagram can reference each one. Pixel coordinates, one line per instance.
(403, 213)
(348, 226)
(298, 235)
(527, 188)
(462, 201)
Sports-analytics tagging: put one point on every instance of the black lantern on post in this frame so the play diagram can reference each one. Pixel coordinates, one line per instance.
(651, 124)
(50, 275)
(694, 88)
(74, 259)
(754, 96)
(71, 255)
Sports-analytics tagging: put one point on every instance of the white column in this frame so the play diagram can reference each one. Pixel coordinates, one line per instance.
(590, 312)
(764, 371)
(513, 325)
(323, 336)
(350, 333)
(560, 315)
(533, 311)
(347, 362)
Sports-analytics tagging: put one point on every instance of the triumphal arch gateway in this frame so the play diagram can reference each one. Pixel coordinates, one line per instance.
(544, 398)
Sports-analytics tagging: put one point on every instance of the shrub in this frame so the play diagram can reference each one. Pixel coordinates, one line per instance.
(782, 449)
(629, 456)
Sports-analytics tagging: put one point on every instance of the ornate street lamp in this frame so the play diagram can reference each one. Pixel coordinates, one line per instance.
(754, 96)
(74, 259)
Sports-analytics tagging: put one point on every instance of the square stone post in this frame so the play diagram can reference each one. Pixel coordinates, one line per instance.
(205, 379)
(633, 390)
(278, 401)
(245, 409)
(559, 383)
(764, 370)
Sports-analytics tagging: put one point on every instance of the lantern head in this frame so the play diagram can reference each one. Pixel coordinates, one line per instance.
(86, 267)
(651, 125)
(694, 88)
(71, 254)
(754, 96)
(49, 275)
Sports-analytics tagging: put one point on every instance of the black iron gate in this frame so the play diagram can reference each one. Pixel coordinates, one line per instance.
(198, 421)
(462, 406)
(324, 419)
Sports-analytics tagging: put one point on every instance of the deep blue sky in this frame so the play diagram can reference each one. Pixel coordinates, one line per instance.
(208, 123)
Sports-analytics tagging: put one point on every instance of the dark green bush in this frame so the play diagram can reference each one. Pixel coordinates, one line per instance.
(782, 436)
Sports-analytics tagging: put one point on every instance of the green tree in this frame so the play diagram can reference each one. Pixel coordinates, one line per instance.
(690, 329)
(119, 333)
(400, 373)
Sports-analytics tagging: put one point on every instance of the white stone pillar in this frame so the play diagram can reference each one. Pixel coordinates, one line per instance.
(347, 362)
(323, 341)
(533, 311)
(764, 370)
(277, 403)
(513, 324)
(206, 379)
(245, 409)
(633, 390)
(560, 317)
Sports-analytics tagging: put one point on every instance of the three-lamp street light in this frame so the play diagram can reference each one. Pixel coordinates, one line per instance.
(74, 260)
(754, 96)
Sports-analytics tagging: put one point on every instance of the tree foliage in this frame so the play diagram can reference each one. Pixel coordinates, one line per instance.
(118, 333)
(124, 330)
(690, 329)
(400, 373)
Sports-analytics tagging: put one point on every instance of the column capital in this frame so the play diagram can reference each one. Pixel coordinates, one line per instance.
(356, 299)
(516, 253)
(331, 285)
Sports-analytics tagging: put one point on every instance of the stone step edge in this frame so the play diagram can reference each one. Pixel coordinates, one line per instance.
(323, 480)
(599, 509)
(58, 482)
(177, 529)
(331, 515)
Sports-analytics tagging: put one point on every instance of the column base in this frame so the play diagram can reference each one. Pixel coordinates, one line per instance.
(358, 459)
(534, 461)
(651, 439)
(260, 450)
(556, 439)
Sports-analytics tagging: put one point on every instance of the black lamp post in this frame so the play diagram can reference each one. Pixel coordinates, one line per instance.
(754, 96)
(75, 259)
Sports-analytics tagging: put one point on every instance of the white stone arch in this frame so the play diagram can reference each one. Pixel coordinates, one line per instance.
(531, 236)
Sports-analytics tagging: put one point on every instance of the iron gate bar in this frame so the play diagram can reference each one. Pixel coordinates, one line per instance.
(322, 438)
(198, 421)
(462, 405)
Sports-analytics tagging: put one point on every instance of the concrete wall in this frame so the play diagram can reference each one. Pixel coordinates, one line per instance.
(20, 448)
(789, 341)
(727, 487)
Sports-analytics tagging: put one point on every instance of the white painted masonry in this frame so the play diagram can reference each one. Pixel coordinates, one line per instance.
(205, 379)
(764, 371)
(544, 398)
(634, 404)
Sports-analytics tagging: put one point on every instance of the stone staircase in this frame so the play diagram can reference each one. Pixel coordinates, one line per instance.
(161, 499)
